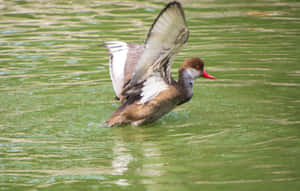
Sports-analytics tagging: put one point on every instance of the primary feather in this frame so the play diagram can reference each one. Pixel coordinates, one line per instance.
(118, 55)
(168, 33)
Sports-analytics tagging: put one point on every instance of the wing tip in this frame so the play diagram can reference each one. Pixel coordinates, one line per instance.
(174, 3)
(169, 5)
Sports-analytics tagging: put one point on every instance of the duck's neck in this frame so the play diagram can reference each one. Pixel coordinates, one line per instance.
(185, 83)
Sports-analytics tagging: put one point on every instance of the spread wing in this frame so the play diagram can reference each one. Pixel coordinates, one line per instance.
(167, 34)
(123, 58)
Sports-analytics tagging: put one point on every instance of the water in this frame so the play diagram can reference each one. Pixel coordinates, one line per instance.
(239, 132)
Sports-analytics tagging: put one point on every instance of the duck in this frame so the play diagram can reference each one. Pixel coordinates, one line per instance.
(140, 73)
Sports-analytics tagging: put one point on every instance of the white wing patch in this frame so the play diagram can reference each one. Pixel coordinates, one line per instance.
(152, 87)
(118, 51)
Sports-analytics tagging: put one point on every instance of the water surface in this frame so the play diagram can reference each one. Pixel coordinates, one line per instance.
(239, 132)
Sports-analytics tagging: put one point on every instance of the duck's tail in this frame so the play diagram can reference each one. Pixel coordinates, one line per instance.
(116, 119)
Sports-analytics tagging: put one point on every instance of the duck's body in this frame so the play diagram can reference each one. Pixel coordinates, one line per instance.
(132, 111)
(141, 73)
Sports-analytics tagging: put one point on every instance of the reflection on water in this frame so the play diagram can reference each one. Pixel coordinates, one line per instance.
(121, 159)
(239, 132)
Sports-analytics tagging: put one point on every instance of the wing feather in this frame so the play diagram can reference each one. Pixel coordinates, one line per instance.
(166, 36)
(123, 59)
(118, 55)
(152, 87)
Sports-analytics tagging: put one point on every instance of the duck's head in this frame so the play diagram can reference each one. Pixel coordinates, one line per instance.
(194, 68)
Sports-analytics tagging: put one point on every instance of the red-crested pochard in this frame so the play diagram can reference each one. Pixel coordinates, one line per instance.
(140, 73)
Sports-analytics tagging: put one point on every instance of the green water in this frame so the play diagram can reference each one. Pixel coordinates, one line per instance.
(239, 132)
